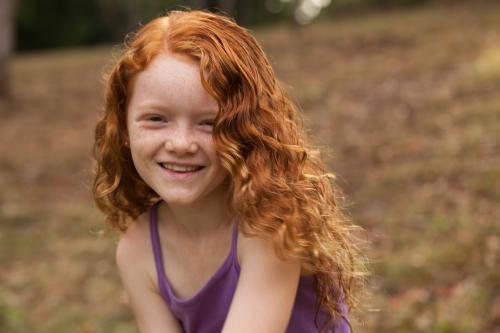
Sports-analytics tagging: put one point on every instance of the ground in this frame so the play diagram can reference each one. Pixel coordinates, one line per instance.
(405, 103)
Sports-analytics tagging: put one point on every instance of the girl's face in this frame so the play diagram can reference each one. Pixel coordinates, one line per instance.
(169, 122)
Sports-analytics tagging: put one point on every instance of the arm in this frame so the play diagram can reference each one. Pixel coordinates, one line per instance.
(151, 312)
(266, 290)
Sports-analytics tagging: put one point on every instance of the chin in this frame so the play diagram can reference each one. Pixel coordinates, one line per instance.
(180, 200)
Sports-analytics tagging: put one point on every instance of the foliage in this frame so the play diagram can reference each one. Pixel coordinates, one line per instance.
(61, 23)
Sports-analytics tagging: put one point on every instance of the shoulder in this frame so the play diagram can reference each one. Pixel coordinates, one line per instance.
(260, 253)
(266, 288)
(248, 246)
(134, 246)
(255, 247)
(135, 260)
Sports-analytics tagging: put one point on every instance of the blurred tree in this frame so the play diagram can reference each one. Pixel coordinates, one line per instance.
(58, 23)
(6, 43)
(121, 16)
(226, 6)
(134, 11)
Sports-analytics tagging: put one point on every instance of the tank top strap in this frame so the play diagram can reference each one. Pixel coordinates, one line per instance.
(163, 284)
(155, 241)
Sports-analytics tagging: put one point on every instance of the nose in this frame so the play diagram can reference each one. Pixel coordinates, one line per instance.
(181, 141)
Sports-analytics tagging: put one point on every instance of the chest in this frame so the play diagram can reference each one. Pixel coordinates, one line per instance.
(189, 264)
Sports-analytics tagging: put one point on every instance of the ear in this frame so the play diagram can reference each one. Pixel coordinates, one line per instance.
(126, 142)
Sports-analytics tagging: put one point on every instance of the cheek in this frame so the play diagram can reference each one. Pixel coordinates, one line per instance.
(143, 149)
(207, 143)
(144, 141)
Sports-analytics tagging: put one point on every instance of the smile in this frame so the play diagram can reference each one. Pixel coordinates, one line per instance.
(181, 168)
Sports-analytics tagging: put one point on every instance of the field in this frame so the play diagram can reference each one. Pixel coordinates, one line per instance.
(406, 104)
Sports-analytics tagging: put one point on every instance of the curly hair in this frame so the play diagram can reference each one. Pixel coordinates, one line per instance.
(279, 186)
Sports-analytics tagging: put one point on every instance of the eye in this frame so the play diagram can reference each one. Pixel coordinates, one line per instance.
(156, 118)
(209, 122)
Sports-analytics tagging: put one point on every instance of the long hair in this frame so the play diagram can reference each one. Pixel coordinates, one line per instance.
(279, 186)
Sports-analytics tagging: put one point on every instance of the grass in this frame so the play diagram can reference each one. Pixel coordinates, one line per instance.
(406, 102)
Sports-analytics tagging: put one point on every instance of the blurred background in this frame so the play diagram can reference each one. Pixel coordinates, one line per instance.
(403, 95)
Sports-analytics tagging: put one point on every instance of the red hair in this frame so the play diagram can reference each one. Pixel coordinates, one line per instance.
(279, 186)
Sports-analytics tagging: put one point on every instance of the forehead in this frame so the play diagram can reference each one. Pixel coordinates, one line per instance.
(173, 80)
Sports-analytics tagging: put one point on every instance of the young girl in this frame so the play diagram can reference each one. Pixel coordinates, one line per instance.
(229, 221)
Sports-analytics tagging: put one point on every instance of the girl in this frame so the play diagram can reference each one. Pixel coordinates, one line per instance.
(229, 221)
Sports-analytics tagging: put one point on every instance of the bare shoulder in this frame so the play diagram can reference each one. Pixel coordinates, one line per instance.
(137, 270)
(134, 246)
(259, 250)
(266, 288)
(263, 250)
(248, 245)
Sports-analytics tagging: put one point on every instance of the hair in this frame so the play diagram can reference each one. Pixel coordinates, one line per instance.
(279, 186)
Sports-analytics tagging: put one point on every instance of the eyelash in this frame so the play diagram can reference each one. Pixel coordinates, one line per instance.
(208, 122)
(162, 119)
(152, 118)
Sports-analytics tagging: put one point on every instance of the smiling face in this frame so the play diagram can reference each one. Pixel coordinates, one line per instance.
(169, 123)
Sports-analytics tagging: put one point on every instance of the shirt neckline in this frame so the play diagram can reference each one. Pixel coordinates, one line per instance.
(164, 285)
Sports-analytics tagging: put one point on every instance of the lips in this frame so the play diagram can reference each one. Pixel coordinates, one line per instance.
(181, 168)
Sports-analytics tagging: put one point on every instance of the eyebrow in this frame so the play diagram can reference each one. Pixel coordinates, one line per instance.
(163, 108)
(211, 112)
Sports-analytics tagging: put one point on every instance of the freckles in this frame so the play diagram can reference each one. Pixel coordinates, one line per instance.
(205, 140)
(143, 137)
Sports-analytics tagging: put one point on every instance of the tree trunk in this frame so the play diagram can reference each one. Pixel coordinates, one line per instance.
(6, 43)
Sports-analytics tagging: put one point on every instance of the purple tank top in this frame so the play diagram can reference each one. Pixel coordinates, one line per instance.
(206, 311)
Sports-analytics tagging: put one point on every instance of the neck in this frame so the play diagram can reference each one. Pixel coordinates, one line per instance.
(198, 219)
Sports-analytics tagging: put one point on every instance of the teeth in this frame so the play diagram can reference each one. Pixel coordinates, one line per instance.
(180, 168)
